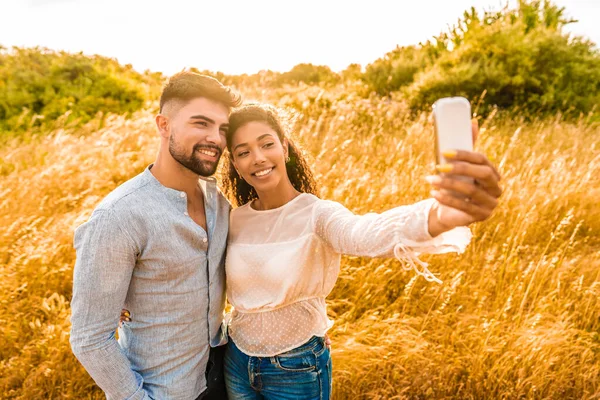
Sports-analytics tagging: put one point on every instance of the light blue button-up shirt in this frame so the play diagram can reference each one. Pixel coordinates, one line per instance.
(140, 250)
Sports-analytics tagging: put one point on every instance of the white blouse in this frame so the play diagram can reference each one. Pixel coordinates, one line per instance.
(282, 263)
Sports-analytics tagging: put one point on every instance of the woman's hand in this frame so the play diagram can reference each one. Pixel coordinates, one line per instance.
(460, 203)
(125, 317)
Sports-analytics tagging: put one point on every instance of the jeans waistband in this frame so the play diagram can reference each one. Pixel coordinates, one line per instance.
(303, 348)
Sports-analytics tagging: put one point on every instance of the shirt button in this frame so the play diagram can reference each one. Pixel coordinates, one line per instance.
(186, 213)
(182, 194)
(204, 240)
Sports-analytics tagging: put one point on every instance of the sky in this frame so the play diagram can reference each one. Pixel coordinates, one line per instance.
(237, 36)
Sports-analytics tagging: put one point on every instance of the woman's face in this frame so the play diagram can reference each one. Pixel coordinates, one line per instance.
(259, 156)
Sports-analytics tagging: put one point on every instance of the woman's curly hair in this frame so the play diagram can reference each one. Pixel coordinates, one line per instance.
(281, 122)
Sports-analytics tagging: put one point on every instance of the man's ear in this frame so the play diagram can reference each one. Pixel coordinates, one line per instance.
(162, 123)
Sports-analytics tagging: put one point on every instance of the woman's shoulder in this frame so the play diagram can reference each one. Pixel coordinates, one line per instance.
(301, 207)
(300, 201)
(294, 218)
(239, 209)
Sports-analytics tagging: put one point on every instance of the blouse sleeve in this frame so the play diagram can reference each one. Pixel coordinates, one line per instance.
(401, 232)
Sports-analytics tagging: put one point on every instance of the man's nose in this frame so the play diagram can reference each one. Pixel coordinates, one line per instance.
(214, 136)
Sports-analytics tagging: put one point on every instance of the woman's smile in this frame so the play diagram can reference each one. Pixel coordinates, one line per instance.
(263, 173)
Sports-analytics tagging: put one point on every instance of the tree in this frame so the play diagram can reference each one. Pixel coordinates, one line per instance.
(42, 84)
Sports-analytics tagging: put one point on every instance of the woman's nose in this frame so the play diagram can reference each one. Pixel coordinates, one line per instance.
(259, 158)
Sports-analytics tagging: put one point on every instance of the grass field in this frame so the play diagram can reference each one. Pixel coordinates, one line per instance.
(518, 314)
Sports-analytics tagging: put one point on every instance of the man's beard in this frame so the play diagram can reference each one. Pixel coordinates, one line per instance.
(193, 162)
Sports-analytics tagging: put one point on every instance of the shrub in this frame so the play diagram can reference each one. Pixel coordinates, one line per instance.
(519, 58)
(309, 74)
(38, 85)
(520, 63)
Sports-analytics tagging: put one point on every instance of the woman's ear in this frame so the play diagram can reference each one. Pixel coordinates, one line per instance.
(234, 165)
(286, 148)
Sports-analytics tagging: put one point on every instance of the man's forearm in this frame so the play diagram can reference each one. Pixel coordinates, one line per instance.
(105, 262)
(109, 367)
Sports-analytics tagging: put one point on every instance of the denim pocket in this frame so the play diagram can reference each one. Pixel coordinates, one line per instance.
(299, 363)
(320, 347)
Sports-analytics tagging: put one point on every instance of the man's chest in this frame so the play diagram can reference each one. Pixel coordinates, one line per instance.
(199, 218)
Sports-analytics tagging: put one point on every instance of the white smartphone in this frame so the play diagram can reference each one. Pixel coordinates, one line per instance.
(453, 130)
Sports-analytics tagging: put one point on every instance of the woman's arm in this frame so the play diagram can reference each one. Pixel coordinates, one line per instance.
(434, 226)
(401, 232)
(437, 225)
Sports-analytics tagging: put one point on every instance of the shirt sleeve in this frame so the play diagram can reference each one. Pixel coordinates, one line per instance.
(401, 232)
(105, 261)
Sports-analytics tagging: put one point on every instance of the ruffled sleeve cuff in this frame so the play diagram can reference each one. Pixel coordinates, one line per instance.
(408, 251)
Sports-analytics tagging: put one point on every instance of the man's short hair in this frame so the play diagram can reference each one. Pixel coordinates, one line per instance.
(186, 86)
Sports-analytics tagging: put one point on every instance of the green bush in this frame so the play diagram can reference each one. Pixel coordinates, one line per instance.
(307, 73)
(519, 58)
(520, 63)
(38, 85)
(398, 68)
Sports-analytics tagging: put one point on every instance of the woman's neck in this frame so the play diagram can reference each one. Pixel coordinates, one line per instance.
(277, 197)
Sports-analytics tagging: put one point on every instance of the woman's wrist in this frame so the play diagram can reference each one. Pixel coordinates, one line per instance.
(435, 226)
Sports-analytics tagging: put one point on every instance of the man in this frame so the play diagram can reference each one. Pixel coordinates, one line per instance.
(156, 246)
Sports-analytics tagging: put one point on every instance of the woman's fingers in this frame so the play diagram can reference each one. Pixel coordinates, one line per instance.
(125, 316)
(472, 157)
(476, 197)
(475, 129)
(484, 176)
(474, 193)
(477, 212)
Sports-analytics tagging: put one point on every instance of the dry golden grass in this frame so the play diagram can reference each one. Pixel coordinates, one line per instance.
(518, 315)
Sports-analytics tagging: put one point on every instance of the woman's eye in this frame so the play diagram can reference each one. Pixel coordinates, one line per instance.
(269, 145)
(242, 154)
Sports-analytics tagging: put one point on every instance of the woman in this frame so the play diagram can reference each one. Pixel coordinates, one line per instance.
(285, 246)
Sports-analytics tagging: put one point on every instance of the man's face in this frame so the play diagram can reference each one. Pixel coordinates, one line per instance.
(197, 135)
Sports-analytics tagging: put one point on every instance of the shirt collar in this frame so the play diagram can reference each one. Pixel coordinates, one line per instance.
(208, 186)
(211, 182)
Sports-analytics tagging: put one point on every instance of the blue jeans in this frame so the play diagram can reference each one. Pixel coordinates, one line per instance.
(303, 373)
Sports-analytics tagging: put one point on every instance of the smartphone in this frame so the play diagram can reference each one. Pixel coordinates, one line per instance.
(453, 130)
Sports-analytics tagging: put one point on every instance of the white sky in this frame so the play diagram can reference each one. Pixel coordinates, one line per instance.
(236, 36)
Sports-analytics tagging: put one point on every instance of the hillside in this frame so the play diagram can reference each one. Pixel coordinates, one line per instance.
(516, 317)
(518, 314)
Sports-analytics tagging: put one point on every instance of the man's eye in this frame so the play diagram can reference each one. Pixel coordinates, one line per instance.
(201, 123)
